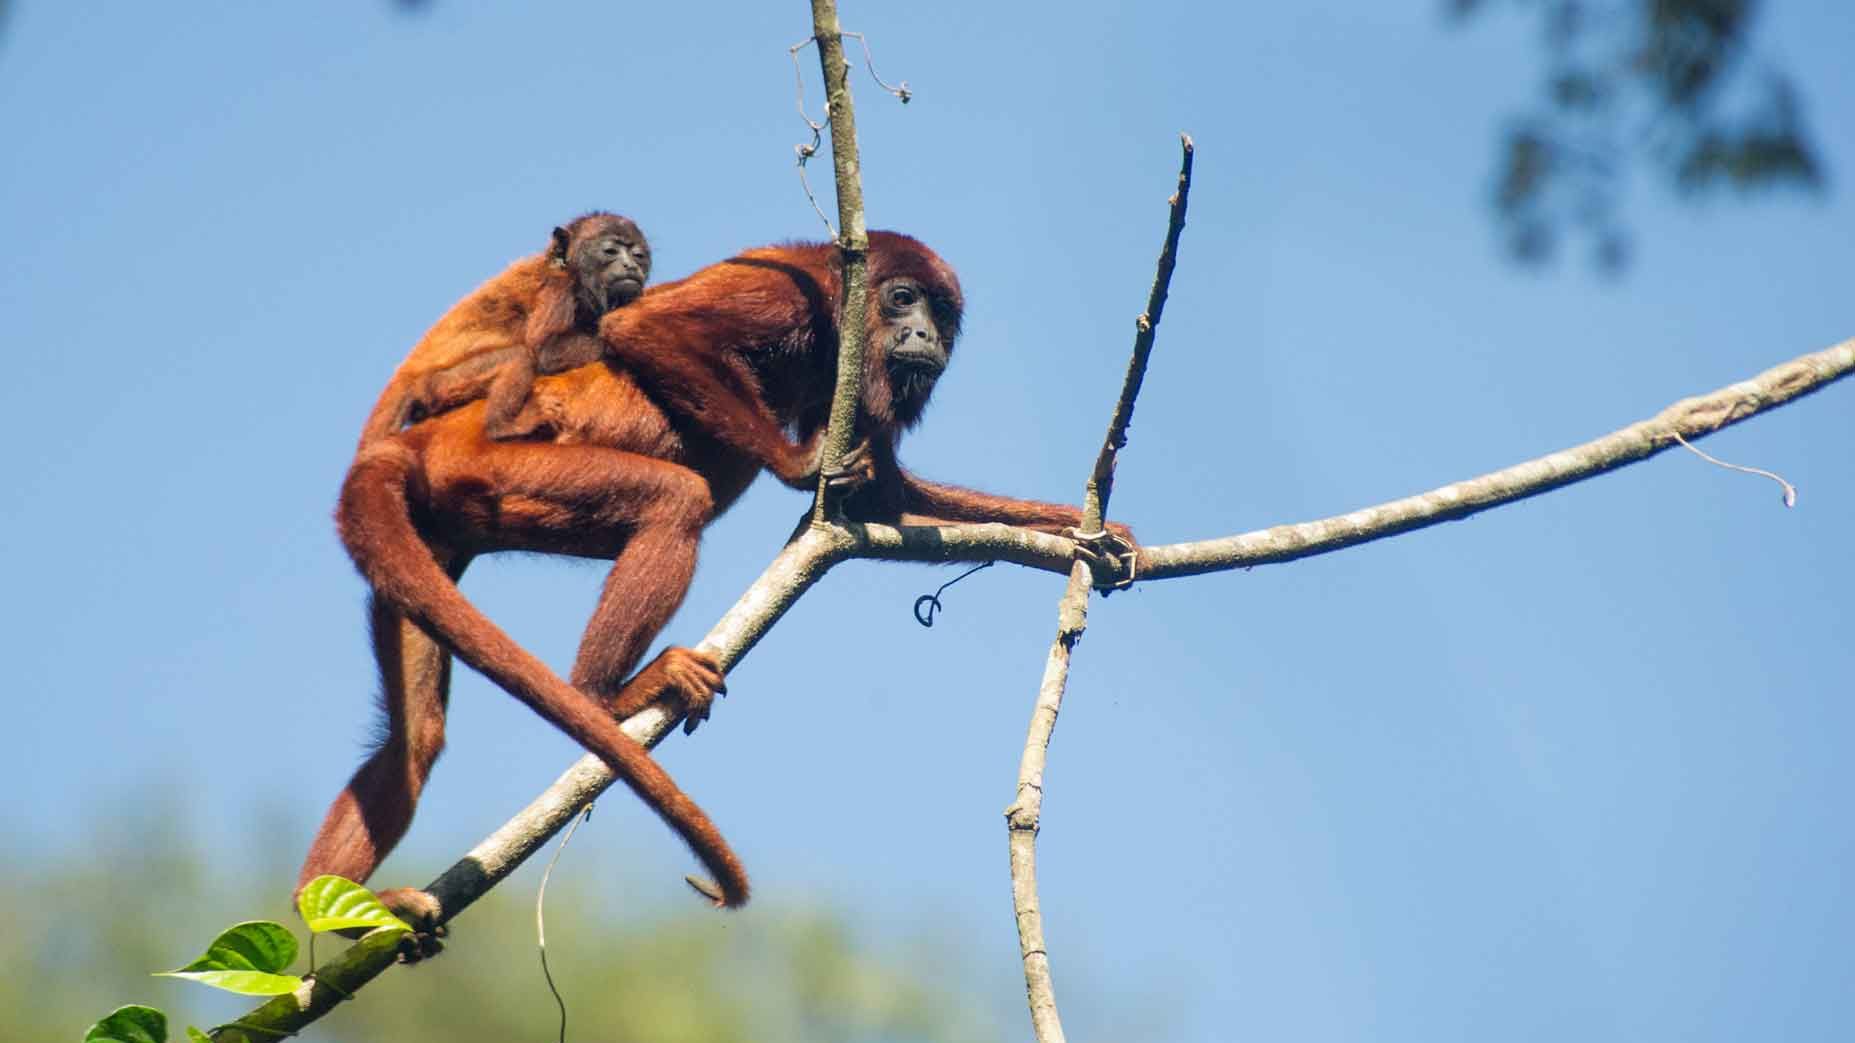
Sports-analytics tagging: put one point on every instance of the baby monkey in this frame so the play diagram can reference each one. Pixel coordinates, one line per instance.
(541, 315)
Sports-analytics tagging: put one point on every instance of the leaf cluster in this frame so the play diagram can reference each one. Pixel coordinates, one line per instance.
(1674, 86)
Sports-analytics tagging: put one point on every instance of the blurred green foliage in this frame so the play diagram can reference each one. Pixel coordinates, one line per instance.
(1673, 85)
(80, 938)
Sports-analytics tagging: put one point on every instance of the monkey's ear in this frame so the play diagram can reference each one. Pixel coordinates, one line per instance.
(557, 251)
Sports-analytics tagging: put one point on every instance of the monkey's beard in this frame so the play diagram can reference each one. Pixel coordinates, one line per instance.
(909, 388)
(911, 376)
(912, 383)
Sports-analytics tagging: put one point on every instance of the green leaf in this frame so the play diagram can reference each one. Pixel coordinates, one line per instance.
(245, 983)
(246, 959)
(196, 1036)
(131, 1024)
(331, 903)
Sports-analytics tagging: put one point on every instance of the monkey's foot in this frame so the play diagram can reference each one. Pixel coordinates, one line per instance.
(853, 470)
(802, 467)
(684, 677)
(1112, 555)
(421, 910)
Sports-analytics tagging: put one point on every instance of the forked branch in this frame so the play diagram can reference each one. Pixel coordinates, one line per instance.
(1024, 817)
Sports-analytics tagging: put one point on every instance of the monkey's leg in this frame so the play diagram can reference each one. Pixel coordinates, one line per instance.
(658, 510)
(373, 812)
(507, 394)
(644, 589)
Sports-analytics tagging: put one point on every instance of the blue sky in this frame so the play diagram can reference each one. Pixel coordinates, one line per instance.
(1575, 767)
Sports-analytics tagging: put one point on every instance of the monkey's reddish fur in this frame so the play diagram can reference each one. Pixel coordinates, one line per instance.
(706, 375)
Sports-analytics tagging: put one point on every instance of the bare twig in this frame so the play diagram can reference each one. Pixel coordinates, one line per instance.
(1691, 418)
(1101, 480)
(1024, 817)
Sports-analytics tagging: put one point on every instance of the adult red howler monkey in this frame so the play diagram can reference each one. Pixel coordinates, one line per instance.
(536, 317)
(632, 458)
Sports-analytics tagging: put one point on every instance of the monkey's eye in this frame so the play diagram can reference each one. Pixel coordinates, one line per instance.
(903, 297)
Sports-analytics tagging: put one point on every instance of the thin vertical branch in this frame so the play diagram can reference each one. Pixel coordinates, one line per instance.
(1024, 817)
(1101, 482)
(852, 242)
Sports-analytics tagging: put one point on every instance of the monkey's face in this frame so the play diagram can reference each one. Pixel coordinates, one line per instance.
(907, 331)
(611, 267)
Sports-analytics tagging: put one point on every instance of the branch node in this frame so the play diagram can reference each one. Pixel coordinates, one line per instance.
(1020, 819)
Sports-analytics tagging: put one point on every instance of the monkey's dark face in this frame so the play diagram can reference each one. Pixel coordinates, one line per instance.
(611, 266)
(908, 333)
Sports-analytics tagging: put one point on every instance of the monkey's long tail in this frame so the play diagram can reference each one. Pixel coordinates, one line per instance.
(374, 518)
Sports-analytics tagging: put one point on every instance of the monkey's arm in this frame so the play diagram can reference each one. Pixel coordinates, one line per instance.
(678, 364)
(931, 503)
(921, 502)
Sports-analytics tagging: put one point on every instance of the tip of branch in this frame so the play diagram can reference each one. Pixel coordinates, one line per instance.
(1185, 141)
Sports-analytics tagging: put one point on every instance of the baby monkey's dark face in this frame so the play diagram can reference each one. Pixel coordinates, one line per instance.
(611, 265)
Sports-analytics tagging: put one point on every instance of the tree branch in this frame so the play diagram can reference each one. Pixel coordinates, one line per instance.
(1024, 817)
(1101, 480)
(1692, 418)
(853, 244)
